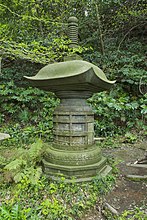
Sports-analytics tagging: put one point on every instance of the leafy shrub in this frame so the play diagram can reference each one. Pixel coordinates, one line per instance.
(130, 138)
(28, 110)
(127, 65)
(15, 69)
(26, 164)
(117, 112)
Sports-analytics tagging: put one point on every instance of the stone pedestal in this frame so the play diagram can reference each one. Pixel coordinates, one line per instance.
(73, 152)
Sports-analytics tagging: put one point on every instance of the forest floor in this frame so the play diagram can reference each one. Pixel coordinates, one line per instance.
(127, 193)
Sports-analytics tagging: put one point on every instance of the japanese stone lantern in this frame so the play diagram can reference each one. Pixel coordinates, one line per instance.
(73, 151)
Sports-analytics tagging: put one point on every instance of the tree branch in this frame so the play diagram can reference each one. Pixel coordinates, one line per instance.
(128, 33)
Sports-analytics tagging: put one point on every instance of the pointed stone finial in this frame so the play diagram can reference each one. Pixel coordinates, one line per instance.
(73, 31)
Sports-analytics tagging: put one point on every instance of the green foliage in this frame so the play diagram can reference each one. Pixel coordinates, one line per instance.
(137, 213)
(41, 27)
(28, 110)
(129, 15)
(8, 212)
(3, 162)
(127, 66)
(118, 112)
(53, 200)
(27, 42)
(15, 69)
(16, 212)
(26, 164)
(130, 138)
(37, 53)
(40, 34)
(52, 209)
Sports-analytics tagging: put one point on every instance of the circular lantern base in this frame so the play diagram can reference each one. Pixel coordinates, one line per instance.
(77, 173)
(73, 152)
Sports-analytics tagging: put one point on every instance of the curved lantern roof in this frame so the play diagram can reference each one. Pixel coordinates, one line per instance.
(75, 75)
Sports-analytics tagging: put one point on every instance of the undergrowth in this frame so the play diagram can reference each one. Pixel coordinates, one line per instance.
(27, 194)
(136, 213)
(52, 200)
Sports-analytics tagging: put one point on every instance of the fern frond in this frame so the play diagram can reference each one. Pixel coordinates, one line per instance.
(33, 174)
(35, 149)
(38, 172)
(5, 213)
(15, 164)
(2, 160)
(18, 177)
(15, 212)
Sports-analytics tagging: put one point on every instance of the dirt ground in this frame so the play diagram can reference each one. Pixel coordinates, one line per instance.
(127, 193)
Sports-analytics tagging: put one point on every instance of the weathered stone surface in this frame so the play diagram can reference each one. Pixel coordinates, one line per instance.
(81, 173)
(73, 124)
(71, 76)
(4, 136)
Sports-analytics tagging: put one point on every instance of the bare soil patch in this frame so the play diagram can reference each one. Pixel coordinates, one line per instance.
(127, 193)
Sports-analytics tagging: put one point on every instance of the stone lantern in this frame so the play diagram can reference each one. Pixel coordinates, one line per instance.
(73, 151)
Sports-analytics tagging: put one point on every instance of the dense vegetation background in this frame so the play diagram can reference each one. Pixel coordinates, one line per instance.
(33, 33)
(112, 35)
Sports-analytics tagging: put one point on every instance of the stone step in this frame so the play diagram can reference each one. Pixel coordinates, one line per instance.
(4, 136)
